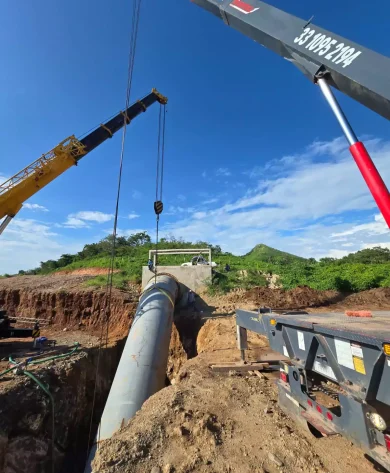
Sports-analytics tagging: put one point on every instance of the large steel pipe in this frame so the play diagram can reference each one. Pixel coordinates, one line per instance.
(142, 368)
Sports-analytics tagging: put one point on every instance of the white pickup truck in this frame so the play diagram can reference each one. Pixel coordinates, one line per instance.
(200, 260)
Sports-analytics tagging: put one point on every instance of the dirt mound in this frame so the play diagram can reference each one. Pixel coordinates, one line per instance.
(302, 297)
(224, 303)
(177, 356)
(374, 299)
(217, 336)
(207, 423)
(298, 298)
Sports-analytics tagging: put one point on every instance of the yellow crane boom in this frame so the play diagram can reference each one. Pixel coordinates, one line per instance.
(20, 187)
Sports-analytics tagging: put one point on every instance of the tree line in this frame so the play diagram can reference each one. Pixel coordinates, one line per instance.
(137, 244)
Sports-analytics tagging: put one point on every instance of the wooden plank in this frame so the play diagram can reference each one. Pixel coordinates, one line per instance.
(260, 375)
(221, 368)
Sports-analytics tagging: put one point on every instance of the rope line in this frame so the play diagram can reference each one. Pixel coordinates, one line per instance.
(162, 151)
(159, 175)
(158, 155)
(110, 272)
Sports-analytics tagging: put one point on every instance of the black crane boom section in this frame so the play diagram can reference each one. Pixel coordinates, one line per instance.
(108, 129)
(358, 72)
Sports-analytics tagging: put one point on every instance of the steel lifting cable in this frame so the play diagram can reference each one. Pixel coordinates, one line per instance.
(110, 272)
(158, 204)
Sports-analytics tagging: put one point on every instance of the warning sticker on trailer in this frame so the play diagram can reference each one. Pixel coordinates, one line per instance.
(285, 352)
(324, 369)
(301, 340)
(356, 350)
(359, 365)
(344, 353)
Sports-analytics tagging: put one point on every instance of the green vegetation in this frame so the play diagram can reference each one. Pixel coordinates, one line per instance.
(359, 271)
(345, 277)
(224, 282)
(271, 255)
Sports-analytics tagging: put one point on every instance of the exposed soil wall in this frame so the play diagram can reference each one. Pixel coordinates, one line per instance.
(26, 430)
(26, 413)
(68, 308)
(199, 423)
(300, 297)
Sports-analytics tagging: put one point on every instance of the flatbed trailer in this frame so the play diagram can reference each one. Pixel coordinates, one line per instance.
(337, 377)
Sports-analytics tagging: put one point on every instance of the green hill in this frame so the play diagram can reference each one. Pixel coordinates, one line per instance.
(268, 254)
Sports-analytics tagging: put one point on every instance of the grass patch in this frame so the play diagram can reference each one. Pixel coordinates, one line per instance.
(119, 280)
(222, 283)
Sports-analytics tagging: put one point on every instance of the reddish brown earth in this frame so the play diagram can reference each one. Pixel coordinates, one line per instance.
(209, 423)
(201, 423)
(67, 302)
(84, 272)
(301, 298)
(314, 300)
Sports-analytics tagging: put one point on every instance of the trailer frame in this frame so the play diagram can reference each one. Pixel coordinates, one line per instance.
(331, 356)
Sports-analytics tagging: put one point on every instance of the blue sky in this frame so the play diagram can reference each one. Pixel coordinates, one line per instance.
(253, 154)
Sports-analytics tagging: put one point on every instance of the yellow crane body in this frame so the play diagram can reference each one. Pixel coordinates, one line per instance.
(23, 185)
(38, 174)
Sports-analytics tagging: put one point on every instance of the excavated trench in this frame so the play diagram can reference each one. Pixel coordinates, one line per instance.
(26, 430)
(26, 418)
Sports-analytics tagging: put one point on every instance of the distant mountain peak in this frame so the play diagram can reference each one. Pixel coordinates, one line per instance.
(262, 252)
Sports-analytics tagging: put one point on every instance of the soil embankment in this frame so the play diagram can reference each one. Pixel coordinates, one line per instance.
(207, 423)
(302, 297)
(66, 301)
(200, 423)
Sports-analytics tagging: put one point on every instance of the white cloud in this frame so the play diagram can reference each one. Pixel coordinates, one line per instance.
(384, 244)
(136, 195)
(35, 207)
(210, 201)
(131, 231)
(303, 209)
(175, 210)
(93, 216)
(204, 174)
(73, 222)
(25, 243)
(223, 172)
(132, 216)
(335, 253)
(181, 198)
(318, 190)
(313, 204)
(81, 219)
(199, 215)
(378, 227)
(278, 167)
